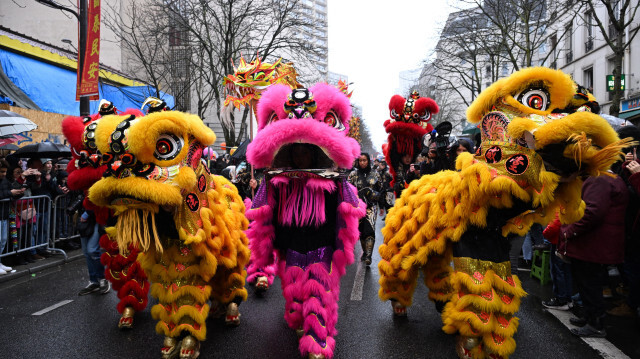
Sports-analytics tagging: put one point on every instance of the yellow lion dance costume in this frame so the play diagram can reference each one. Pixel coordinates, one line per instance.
(189, 224)
(539, 134)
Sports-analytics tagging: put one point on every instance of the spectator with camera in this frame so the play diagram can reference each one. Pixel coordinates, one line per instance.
(47, 186)
(25, 213)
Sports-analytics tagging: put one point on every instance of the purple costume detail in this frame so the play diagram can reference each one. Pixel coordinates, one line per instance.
(302, 260)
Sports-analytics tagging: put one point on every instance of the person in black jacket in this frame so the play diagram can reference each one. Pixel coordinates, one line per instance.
(7, 193)
(369, 186)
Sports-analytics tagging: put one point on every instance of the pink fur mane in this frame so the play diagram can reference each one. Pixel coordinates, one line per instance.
(301, 200)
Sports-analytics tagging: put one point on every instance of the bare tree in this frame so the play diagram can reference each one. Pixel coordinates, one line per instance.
(621, 15)
(465, 46)
(486, 40)
(522, 27)
(222, 30)
(451, 108)
(139, 39)
(188, 46)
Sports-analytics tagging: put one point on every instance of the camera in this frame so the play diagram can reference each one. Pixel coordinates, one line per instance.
(442, 142)
(75, 204)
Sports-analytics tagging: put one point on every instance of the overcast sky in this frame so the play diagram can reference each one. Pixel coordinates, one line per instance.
(373, 41)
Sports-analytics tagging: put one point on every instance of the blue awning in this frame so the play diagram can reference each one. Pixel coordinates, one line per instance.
(53, 88)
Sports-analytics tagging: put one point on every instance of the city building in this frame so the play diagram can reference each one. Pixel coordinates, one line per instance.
(38, 63)
(316, 35)
(586, 56)
(566, 37)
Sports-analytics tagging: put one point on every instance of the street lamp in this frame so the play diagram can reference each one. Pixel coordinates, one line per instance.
(70, 43)
(82, 19)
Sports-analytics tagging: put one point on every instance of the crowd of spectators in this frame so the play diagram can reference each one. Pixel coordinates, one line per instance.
(27, 190)
(598, 257)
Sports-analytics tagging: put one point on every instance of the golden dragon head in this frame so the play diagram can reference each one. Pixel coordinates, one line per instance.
(251, 78)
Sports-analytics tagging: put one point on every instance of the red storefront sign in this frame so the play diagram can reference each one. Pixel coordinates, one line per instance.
(88, 76)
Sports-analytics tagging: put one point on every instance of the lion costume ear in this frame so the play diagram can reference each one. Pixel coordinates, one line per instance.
(271, 104)
(396, 105)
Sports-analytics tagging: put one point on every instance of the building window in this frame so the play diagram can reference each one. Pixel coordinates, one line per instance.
(568, 43)
(505, 69)
(543, 48)
(588, 45)
(487, 70)
(613, 32)
(587, 79)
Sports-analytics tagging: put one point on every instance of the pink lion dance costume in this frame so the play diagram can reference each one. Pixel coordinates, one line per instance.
(86, 168)
(305, 211)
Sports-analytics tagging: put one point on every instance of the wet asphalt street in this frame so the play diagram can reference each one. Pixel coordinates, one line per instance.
(86, 327)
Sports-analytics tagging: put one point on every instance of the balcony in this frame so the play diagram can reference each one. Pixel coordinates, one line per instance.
(569, 56)
(588, 45)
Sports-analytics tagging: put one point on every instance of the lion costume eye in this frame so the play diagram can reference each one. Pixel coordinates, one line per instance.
(535, 98)
(426, 116)
(394, 114)
(332, 120)
(168, 146)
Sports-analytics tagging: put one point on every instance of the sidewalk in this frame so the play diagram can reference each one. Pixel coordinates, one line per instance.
(55, 259)
(622, 332)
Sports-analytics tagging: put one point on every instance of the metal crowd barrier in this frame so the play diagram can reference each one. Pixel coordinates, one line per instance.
(28, 226)
(66, 225)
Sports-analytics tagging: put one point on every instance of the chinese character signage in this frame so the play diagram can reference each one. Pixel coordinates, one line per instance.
(611, 80)
(89, 74)
(630, 104)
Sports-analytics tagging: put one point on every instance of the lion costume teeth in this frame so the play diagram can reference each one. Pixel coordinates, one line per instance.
(537, 129)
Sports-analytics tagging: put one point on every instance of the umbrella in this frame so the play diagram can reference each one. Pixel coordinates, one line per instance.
(12, 123)
(241, 152)
(471, 129)
(615, 122)
(9, 147)
(42, 150)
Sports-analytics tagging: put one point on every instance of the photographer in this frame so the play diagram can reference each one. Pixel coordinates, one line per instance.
(437, 159)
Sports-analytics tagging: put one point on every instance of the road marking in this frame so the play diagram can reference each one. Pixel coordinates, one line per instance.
(57, 305)
(358, 281)
(604, 347)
